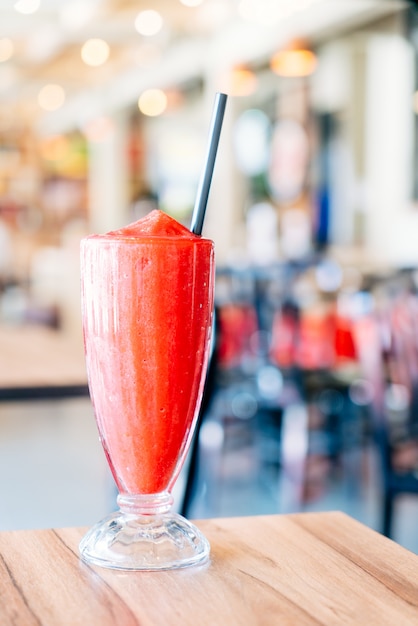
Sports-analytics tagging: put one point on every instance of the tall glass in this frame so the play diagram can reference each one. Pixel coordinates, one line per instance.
(147, 301)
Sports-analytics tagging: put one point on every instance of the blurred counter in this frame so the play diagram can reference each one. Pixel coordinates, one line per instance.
(38, 362)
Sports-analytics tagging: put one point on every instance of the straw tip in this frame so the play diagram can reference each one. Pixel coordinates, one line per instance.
(205, 181)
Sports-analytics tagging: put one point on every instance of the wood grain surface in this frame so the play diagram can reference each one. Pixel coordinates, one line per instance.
(313, 568)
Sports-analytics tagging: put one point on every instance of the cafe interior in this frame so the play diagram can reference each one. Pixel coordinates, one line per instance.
(311, 397)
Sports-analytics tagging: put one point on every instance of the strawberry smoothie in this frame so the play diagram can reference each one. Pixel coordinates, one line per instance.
(147, 297)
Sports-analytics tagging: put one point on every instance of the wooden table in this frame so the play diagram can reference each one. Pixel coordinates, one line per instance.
(312, 568)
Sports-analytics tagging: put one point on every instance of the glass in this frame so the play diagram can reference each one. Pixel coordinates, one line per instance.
(147, 312)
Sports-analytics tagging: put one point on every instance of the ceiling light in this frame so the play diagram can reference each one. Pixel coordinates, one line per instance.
(152, 102)
(95, 52)
(148, 23)
(240, 82)
(51, 97)
(295, 61)
(6, 49)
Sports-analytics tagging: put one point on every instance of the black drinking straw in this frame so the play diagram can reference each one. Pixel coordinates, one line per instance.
(206, 176)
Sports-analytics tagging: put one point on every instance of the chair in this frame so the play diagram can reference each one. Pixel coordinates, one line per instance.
(388, 355)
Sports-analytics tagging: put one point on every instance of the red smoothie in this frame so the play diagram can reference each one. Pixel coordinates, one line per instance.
(147, 296)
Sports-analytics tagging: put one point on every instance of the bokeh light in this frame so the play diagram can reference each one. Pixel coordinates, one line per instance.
(294, 62)
(95, 52)
(152, 102)
(148, 23)
(239, 82)
(51, 97)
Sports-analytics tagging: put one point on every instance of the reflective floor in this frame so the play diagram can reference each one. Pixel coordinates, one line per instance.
(53, 473)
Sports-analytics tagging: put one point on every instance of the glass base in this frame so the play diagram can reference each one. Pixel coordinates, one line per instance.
(134, 541)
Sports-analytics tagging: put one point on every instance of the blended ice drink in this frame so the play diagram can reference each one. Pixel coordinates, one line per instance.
(147, 301)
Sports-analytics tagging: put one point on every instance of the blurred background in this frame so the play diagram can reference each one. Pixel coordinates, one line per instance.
(105, 108)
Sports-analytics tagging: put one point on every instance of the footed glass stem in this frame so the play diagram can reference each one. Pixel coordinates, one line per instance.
(144, 534)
